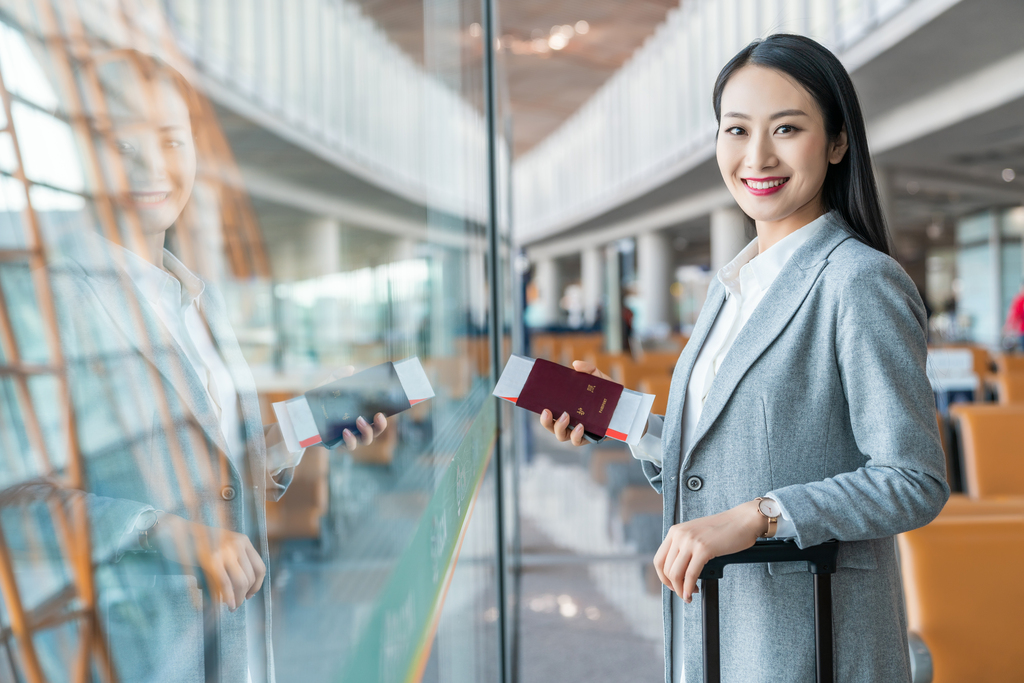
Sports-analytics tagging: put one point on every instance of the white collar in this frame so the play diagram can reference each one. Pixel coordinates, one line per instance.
(750, 267)
(171, 290)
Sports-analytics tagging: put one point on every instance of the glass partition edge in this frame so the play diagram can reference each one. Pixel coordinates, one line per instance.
(396, 643)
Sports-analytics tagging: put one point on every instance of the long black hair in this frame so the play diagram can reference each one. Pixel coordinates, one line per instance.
(850, 187)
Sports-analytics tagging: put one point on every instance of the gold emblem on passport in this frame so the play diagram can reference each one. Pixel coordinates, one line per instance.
(590, 388)
(579, 411)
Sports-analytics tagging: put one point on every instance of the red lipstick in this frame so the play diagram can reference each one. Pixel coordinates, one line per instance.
(776, 183)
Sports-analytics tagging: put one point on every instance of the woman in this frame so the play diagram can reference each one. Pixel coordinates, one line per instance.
(800, 407)
(177, 459)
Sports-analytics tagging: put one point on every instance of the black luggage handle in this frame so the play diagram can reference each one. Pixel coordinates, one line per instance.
(821, 562)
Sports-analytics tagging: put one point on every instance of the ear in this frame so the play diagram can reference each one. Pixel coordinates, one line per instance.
(837, 148)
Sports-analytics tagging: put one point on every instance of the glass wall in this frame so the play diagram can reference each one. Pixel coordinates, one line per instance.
(207, 210)
(989, 272)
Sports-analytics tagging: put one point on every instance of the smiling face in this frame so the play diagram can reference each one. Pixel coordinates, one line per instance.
(773, 150)
(159, 155)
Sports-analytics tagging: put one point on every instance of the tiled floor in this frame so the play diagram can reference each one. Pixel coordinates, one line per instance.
(582, 620)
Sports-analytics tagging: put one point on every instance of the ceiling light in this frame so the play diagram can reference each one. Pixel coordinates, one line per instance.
(1008, 174)
(557, 41)
(567, 31)
(913, 187)
(540, 45)
(474, 30)
(582, 27)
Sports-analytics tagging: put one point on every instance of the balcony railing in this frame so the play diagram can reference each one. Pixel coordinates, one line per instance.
(327, 74)
(655, 113)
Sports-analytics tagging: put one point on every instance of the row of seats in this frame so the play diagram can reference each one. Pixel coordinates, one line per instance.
(962, 572)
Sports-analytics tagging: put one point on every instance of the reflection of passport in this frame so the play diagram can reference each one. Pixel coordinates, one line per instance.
(589, 400)
(336, 406)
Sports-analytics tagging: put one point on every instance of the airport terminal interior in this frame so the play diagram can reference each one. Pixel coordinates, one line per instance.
(340, 185)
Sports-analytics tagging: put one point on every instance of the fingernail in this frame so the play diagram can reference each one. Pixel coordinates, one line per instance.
(346, 433)
(360, 421)
(564, 418)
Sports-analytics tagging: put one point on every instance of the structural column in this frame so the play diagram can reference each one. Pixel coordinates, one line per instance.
(728, 236)
(323, 247)
(654, 275)
(614, 341)
(592, 283)
(546, 277)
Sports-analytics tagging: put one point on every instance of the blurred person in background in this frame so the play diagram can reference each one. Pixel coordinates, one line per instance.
(1014, 327)
(178, 463)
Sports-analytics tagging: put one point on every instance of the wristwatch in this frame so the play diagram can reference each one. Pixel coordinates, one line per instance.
(144, 524)
(769, 509)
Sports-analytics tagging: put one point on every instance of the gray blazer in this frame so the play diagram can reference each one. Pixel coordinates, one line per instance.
(120, 360)
(823, 404)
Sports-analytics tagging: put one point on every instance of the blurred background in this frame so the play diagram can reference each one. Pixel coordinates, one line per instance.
(459, 180)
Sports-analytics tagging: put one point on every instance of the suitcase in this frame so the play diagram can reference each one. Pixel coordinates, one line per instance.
(821, 562)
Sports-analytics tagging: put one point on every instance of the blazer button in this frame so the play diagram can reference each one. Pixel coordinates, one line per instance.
(694, 483)
(228, 493)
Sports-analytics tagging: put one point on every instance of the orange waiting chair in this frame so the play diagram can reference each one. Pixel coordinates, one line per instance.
(1011, 387)
(992, 438)
(970, 628)
(299, 513)
(1010, 363)
(658, 386)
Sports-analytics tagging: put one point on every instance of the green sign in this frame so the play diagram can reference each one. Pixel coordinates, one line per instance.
(396, 639)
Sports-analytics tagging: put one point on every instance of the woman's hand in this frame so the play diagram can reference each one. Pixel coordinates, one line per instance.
(560, 427)
(688, 546)
(367, 432)
(232, 566)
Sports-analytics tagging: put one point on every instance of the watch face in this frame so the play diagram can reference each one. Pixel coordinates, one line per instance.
(768, 507)
(147, 520)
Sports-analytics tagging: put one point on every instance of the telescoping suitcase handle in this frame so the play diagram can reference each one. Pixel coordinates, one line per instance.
(821, 562)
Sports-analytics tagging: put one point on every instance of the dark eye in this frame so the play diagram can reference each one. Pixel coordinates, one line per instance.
(786, 128)
(173, 144)
(735, 130)
(123, 147)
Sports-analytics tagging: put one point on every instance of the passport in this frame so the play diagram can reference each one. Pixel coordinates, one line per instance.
(321, 415)
(589, 400)
(604, 408)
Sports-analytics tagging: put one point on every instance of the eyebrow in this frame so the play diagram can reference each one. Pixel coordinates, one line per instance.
(776, 115)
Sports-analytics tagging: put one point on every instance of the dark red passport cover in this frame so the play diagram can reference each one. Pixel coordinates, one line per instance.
(588, 399)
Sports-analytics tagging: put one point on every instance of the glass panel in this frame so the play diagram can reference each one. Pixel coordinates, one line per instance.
(211, 266)
(47, 148)
(8, 157)
(19, 292)
(12, 216)
(23, 75)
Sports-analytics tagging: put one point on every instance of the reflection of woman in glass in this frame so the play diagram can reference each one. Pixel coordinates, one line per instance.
(167, 413)
(800, 407)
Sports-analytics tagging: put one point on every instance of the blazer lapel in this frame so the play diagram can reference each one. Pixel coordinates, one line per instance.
(113, 288)
(215, 313)
(681, 376)
(769, 319)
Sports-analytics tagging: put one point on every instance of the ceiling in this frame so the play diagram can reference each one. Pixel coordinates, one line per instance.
(545, 85)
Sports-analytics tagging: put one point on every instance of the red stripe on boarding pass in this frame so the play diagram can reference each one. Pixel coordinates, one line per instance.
(306, 443)
(414, 401)
(615, 435)
(511, 398)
